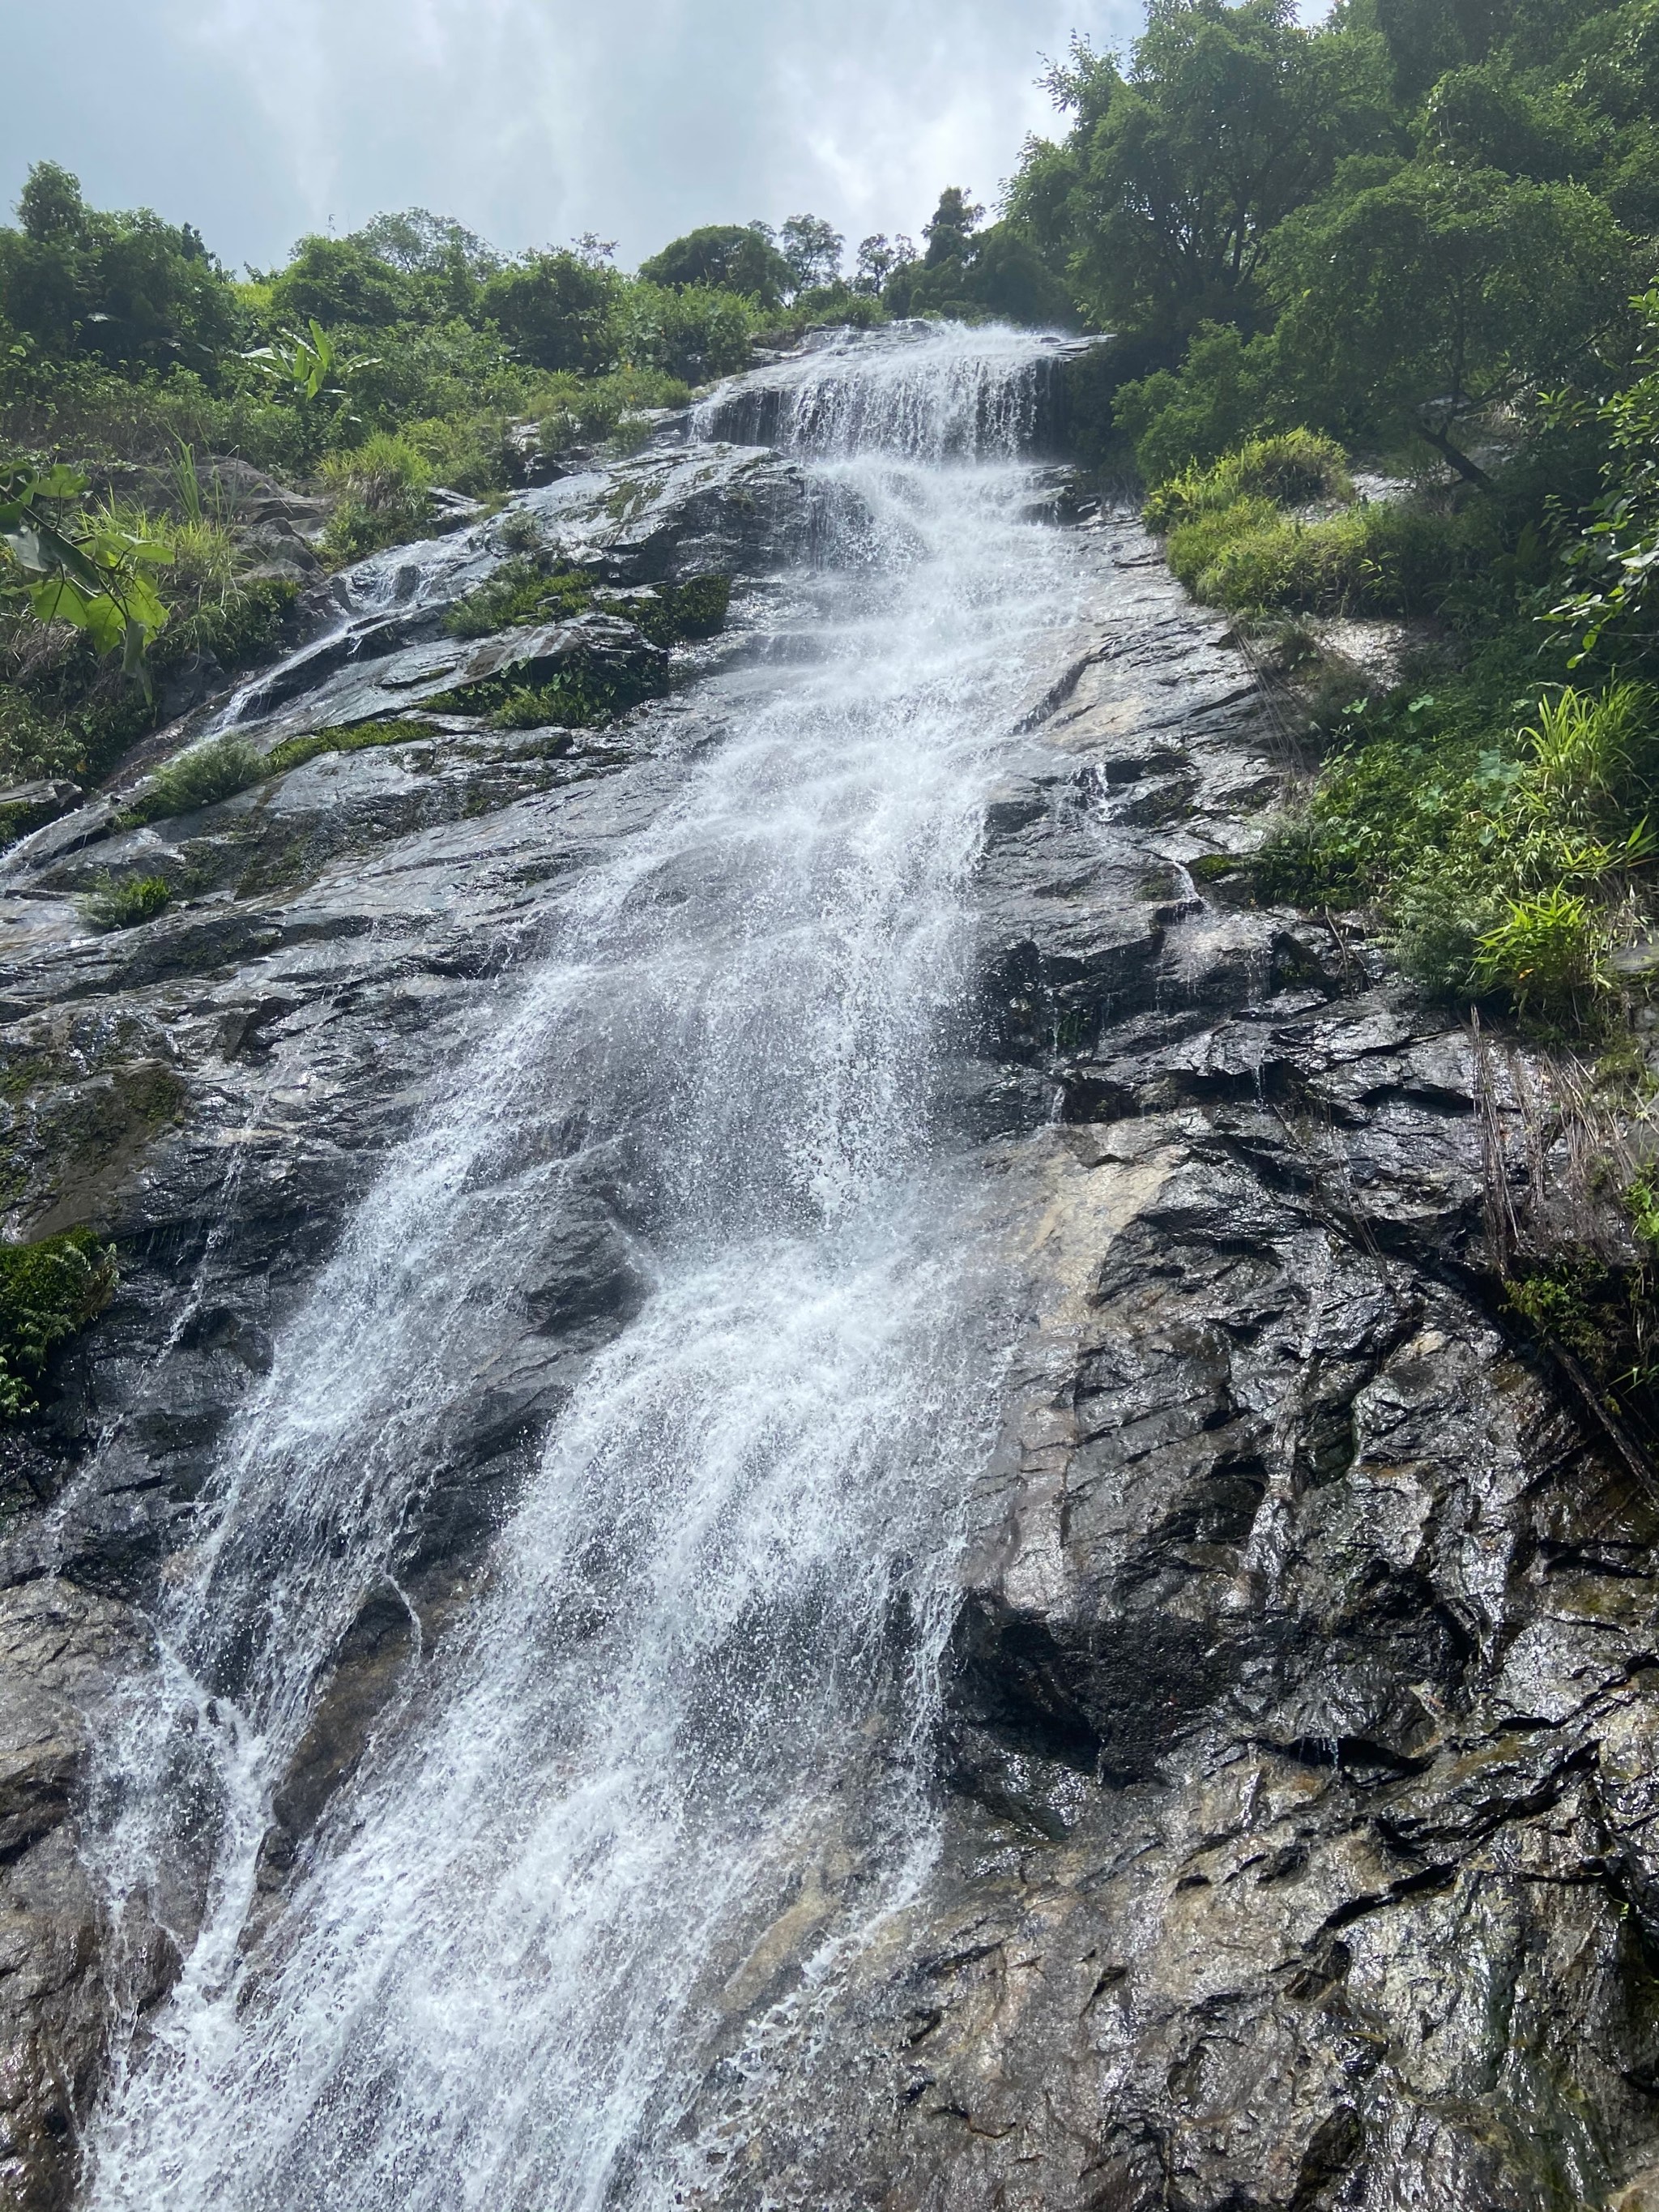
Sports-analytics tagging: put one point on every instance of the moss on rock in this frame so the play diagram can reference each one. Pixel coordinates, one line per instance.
(49, 1291)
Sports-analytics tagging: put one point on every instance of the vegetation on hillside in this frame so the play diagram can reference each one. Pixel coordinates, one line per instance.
(1423, 238)
(1384, 296)
(366, 370)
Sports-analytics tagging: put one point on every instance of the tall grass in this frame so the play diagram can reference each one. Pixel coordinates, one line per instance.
(381, 486)
(1507, 868)
(1291, 468)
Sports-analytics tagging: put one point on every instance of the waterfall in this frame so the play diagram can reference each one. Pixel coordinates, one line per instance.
(672, 1757)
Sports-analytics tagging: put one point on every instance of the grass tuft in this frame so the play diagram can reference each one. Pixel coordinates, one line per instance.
(116, 905)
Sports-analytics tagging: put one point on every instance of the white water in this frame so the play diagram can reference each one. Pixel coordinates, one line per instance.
(692, 1696)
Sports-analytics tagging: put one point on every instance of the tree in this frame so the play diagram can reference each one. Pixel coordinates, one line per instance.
(951, 226)
(994, 274)
(555, 310)
(1484, 119)
(441, 262)
(130, 288)
(1430, 293)
(1613, 562)
(50, 206)
(812, 250)
(1426, 38)
(421, 243)
(343, 281)
(877, 258)
(730, 257)
(1160, 202)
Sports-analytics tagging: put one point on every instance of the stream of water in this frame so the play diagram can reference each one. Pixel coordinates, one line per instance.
(673, 1754)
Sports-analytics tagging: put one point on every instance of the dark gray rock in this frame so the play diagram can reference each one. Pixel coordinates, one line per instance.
(61, 1650)
(1296, 1773)
(1296, 1783)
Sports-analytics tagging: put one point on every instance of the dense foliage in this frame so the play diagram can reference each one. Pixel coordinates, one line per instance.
(1422, 238)
(1383, 299)
(1382, 293)
(366, 370)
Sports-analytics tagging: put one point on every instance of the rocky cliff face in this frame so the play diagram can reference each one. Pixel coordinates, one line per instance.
(1298, 1768)
(1295, 1778)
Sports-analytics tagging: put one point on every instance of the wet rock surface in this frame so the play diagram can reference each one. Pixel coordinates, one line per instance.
(1297, 1777)
(1298, 1767)
(216, 1090)
(62, 1650)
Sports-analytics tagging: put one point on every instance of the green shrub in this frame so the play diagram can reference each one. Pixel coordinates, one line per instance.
(48, 1291)
(696, 334)
(1642, 1204)
(580, 412)
(250, 620)
(558, 310)
(1497, 855)
(382, 486)
(528, 707)
(582, 693)
(1291, 468)
(1225, 390)
(696, 608)
(66, 710)
(1548, 952)
(732, 257)
(1231, 542)
(201, 777)
(1570, 1302)
(1592, 759)
(468, 452)
(521, 591)
(1245, 555)
(34, 741)
(124, 905)
(1440, 923)
(1387, 559)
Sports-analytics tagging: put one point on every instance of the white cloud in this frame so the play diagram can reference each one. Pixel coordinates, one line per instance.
(533, 120)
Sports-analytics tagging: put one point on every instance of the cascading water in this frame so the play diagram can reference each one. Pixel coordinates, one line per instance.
(675, 1754)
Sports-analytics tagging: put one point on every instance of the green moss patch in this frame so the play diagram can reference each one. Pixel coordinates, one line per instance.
(584, 692)
(530, 591)
(230, 764)
(49, 1292)
(695, 609)
(351, 738)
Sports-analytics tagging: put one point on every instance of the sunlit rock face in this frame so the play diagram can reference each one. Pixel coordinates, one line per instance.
(803, 1491)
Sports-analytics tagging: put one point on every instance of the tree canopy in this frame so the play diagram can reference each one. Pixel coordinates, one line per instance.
(130, 290)
(726, 257)
(1407, 215)
(1157, 206)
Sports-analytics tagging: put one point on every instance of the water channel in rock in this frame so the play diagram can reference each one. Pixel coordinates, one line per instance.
(670, 1760)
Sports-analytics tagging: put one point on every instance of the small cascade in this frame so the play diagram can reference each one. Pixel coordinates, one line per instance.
(933, 394)
(673, 1752)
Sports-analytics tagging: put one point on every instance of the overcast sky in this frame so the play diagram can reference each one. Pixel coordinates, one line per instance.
(531, 120)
